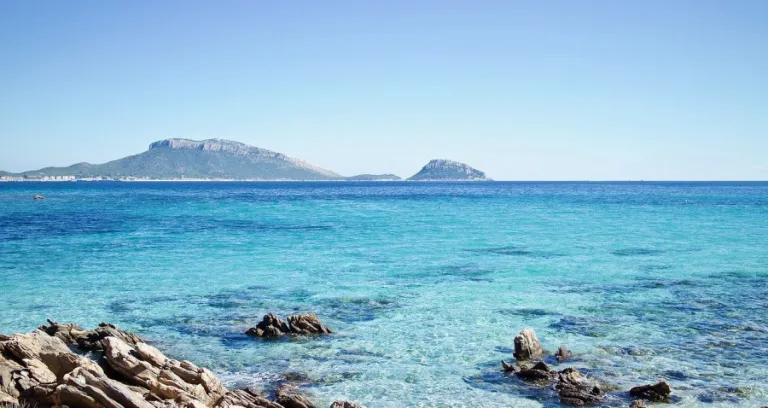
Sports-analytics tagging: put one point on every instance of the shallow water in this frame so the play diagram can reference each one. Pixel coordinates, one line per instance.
(426, 284)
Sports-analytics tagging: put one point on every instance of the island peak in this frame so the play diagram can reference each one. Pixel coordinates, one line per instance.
(448, 170)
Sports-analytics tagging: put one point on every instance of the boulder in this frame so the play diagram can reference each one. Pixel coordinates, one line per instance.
(573, 389)
(270, 326)
(562, 353)
(32, 365)
(289, 396)
(146, 366)
(509, 368)
(345, 404)
(538, 372)
(89, 339)
(658, 392)
(86, 388)
(245, 399)
(307, 324)
(527, 346)
(273, 326)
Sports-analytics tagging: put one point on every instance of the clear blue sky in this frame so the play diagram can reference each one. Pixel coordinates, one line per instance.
(535, 90)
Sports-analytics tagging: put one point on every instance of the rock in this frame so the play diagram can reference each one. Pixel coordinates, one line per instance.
(39, 369)
(658, 392)
(563, 354)
(574, 389)
(49, 351)
(89, 339)
(539, 372)
(307, 324)
(38, 197)
(345, 404)
(146, 366)
(638, 404)
(31, 365)
(270, 326)
(8, 391)
(447, 170)
(273, 326)
(82, 387)
(6, 399)
(245, 399)
(527, 346)
(509, 368)
(289, 396)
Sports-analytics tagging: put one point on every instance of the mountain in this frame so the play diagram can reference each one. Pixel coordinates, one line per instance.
(448, 170)
(373, 177)
(204, 159)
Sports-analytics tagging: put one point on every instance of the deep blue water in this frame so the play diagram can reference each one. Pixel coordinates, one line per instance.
(426, 284)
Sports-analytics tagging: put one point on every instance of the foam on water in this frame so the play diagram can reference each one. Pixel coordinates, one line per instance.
(425, 284)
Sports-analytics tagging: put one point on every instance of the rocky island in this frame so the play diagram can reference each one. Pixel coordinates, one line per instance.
(224, 160)
(178, 159)
(448, 170)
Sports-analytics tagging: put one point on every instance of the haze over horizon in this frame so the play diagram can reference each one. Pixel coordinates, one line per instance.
(549, 90)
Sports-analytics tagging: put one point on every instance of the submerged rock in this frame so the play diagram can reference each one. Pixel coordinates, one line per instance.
(245, 399)
(289, 397)
(658, 392)
(89, 339)
(273, 326)
(538, 372)
(345, 404)
(574, 389)
(563, 354)
(527, 346)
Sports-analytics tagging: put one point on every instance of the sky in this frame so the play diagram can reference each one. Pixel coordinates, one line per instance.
(523, 90)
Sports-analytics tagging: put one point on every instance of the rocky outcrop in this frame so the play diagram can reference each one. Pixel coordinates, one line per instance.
(273, 326)
(289, 397)
(39, 369)
(538, 372)
(563, 354)
(145, 366)
(447, 170)
(574, 389)
(32, 366)
(658, 392)
(527, 346)
(89, 339)
(345, 404)
(245, 399)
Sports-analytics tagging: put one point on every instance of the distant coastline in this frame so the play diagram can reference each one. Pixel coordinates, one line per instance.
(224, 160)
(196, 180)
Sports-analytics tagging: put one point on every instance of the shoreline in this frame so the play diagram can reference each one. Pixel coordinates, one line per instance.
(64, 365)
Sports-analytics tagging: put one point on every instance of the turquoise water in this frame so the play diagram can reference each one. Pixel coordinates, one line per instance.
(426, 284)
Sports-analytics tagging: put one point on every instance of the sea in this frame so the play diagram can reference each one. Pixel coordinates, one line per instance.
(425, 284)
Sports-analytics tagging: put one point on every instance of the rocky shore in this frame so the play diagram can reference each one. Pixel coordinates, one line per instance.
(64, 365)
(572, 387)
(113, 368)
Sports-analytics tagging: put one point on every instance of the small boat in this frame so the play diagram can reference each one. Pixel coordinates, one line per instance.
(38, 197)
